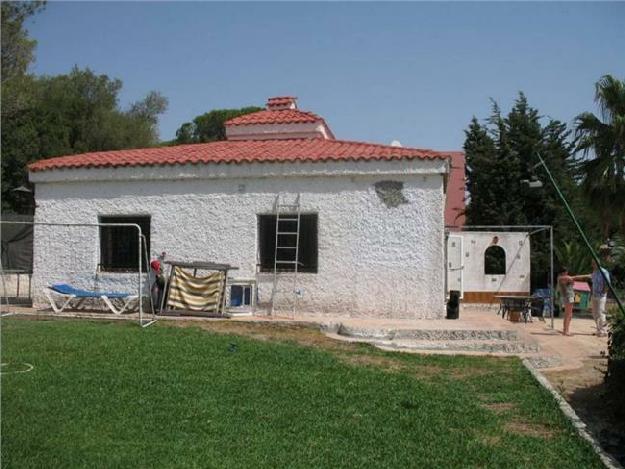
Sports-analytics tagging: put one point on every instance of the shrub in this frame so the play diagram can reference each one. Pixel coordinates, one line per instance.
(615, 374)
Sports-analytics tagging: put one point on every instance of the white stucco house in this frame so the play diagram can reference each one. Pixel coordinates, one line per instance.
(372, 236)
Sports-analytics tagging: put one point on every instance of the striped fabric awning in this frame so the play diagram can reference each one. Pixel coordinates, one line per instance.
(192, 293)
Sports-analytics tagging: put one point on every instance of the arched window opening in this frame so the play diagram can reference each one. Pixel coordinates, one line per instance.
(495, 261)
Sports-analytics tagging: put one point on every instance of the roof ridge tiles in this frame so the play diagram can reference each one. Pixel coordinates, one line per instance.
(275, 116)
(384, 145)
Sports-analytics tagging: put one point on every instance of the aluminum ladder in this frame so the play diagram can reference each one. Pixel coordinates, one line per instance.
(286, 255)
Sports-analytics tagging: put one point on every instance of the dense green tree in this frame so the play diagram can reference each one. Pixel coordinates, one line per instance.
(59, 115)
(574, 255)
(148, 109)
(481, 165)
(17, 53)
(501, 157)
(210, 127)
(601, 142)
(185, 133)
(73, 113)
(502, 153)
(17, 47)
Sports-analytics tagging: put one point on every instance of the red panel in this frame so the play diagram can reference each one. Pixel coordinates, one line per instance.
(455, 201)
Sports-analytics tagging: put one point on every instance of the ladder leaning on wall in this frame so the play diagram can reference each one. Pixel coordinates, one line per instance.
(286, 256)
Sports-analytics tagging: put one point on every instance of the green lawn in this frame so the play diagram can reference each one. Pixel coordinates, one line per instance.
(113, 395)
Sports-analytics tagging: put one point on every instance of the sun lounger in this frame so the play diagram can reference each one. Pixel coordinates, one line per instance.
(75, 296)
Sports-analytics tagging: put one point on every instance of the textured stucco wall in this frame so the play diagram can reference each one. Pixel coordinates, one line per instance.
(517, 248)
(374, 261)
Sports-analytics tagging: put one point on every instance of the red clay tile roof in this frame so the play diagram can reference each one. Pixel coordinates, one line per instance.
(276, 116)
(243, 151)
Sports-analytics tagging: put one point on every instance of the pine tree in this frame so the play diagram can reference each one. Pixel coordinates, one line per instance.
(501, 154)
(480, 153)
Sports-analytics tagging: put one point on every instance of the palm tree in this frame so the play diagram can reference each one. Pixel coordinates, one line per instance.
(602, 144)
(574, 256)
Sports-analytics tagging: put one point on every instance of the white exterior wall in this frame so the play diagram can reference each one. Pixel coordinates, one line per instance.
(374, 261)
(517, 248)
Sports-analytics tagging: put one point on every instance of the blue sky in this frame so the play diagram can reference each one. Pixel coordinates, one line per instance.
(415, 72)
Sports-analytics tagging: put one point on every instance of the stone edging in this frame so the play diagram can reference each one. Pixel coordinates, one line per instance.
(568, 411)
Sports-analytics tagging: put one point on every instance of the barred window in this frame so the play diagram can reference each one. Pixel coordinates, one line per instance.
(119, 245)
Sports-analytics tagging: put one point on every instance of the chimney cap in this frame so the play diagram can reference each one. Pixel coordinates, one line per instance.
(281, 102)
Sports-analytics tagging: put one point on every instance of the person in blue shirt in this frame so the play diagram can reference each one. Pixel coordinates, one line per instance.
(599, 296)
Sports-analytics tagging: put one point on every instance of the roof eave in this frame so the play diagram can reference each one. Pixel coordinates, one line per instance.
(329, 167)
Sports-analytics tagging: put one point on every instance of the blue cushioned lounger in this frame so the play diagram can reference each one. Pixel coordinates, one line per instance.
(70, 293)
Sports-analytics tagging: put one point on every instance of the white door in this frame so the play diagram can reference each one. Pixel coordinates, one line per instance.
(455, 266)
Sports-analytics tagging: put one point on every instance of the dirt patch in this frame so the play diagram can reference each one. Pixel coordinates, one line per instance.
(33, 317)
(303, 334)
(521, 427)
(584, 390)
(389, 364)
(490, 440)
(463, 373)
(499, 407)
(309, 335)
(372, 360)
(568, 382)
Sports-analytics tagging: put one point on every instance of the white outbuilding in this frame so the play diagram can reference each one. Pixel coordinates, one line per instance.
(484, 264)
(371, 237)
